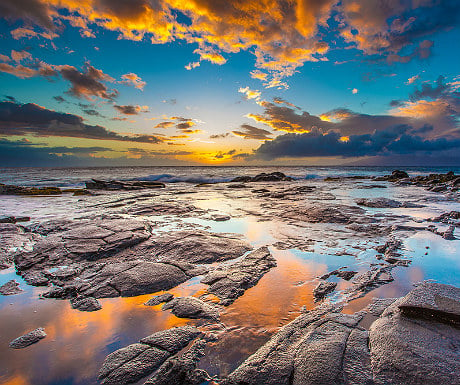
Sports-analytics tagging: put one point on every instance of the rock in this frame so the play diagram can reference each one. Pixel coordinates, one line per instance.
(172, 340)
(371, 279)
(143, 277)
(182, 370)
(220, 218)
(398, 174)
(345, 274)
(14, 219)
(450, 217)
(85, 303)
(196, 246)
(133, 362)
(263, 177)
(230, 282)
(309, 350)
(449, 233)
(238, 185)
(341, 214)
(191, 307)
(96, 184)
(378, 305)
(378, 203)
(415, 342)
(154, 301)
(10, 288)
(28, 339)
(323, 289)
(20, 190)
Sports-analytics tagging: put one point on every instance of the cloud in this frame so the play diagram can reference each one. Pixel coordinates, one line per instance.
(412, 79)
(282, 35)
(88, 83)
(29, 118)
(250, 94)
(59, 99)
(354, 91)
(166, 124)
(133, 80)
(251, 132)
(219, 136)
(131, 110)
(394, 140)
(429, 91)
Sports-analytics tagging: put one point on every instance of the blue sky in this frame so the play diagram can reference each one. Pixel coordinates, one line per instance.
(353, 70)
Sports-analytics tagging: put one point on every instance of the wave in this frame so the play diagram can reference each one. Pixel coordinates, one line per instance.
(168, 178)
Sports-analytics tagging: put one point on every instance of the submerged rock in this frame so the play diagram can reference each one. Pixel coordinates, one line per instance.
(191, 307)
(21, 190)
(263, 177)
(10, 288)
(28, 339)
(231, 282)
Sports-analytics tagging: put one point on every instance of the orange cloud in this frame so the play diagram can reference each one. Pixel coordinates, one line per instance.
(133, 80)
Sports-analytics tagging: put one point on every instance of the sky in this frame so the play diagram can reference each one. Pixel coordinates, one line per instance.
(229, 82)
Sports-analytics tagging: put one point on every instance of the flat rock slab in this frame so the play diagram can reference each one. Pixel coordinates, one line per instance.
(197, 246)
(418, 350)
(231, 282)
(191, 307)
(28, 339)
(340, 214)
(385, 203)
(10, 288)
(135, 361)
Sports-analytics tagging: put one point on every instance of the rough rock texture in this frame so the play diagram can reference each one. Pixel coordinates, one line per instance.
(154, 301)
(191, 307)
(22, 190)
(95, 184)
(263, 177)
(28, 339)
(323, 289)
(14, 239)
(85, 303)
(415, 341)
(341, 214)
(449, 233)
(197, 246)
(385, 203)
(182, 370)
(133, 362)
(371, 279)
(10, 288)
(231, 282)
(312, 349)
(344, 274)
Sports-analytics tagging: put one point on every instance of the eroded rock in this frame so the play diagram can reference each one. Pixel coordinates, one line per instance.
(28, 339)
(154, 301)
(10, 288)
(191, 307)
(323, 289)
(231, 282)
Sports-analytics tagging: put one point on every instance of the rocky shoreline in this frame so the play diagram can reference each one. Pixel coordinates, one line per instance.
(121, 249)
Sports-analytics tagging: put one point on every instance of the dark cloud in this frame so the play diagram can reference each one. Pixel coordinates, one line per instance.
(131, 110)
(251, 132)
(394, 140)
(32, 10)
(88, 83)
(225, 155)
(59, 99)
(185, 125)
(23, 119)
(429, 91)
(219, 136)
(92, 112)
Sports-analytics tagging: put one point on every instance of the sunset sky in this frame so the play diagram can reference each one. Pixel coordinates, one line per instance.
(222, 82)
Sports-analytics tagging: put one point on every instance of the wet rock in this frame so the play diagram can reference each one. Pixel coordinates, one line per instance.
(237, 186)
(378, 203)
(411, 343)
(264, 177)
(96, 184)
(378, 305)
(133, 362)
(325, 214)
(344, 274)
(231, 282)
(15, 239)
(449, 233)
(448, 218)
(21, 190)
(85, 303)
(180, 210)
(28, 339)
(220, 218)
(142, 278)
(172, 340)
(323, 289)
(191, 307)
(196, 246)
(10, 288)
(371, 279)
(14, 219)
(309, 350)
(166, 297)
(182, 370)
